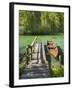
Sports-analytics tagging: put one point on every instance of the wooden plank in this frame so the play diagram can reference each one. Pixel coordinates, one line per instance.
(36, 50)
(43, 55)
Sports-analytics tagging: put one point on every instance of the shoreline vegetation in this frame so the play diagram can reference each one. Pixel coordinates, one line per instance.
(40, 22)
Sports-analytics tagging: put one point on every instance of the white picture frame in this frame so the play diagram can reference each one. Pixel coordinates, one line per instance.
(14, 80)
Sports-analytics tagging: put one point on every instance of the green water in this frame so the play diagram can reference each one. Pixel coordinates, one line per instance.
(26, 40)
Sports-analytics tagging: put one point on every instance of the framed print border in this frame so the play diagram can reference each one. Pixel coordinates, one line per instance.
(11, 43)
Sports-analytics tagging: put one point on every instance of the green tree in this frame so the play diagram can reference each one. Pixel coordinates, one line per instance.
(40, 22)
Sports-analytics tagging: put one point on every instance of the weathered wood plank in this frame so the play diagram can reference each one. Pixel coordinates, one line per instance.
(43, 53)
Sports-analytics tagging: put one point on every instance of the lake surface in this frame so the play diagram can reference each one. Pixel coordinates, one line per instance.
(26, 40)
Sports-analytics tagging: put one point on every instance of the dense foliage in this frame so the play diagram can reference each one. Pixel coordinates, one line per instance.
(40, 22)
(57, 72)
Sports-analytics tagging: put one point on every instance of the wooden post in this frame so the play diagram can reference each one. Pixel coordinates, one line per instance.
(28, 54)
(41, 51)
(31, 52)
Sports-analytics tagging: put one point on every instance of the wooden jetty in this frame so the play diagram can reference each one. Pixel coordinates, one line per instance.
(39, 60)
(36, 68)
